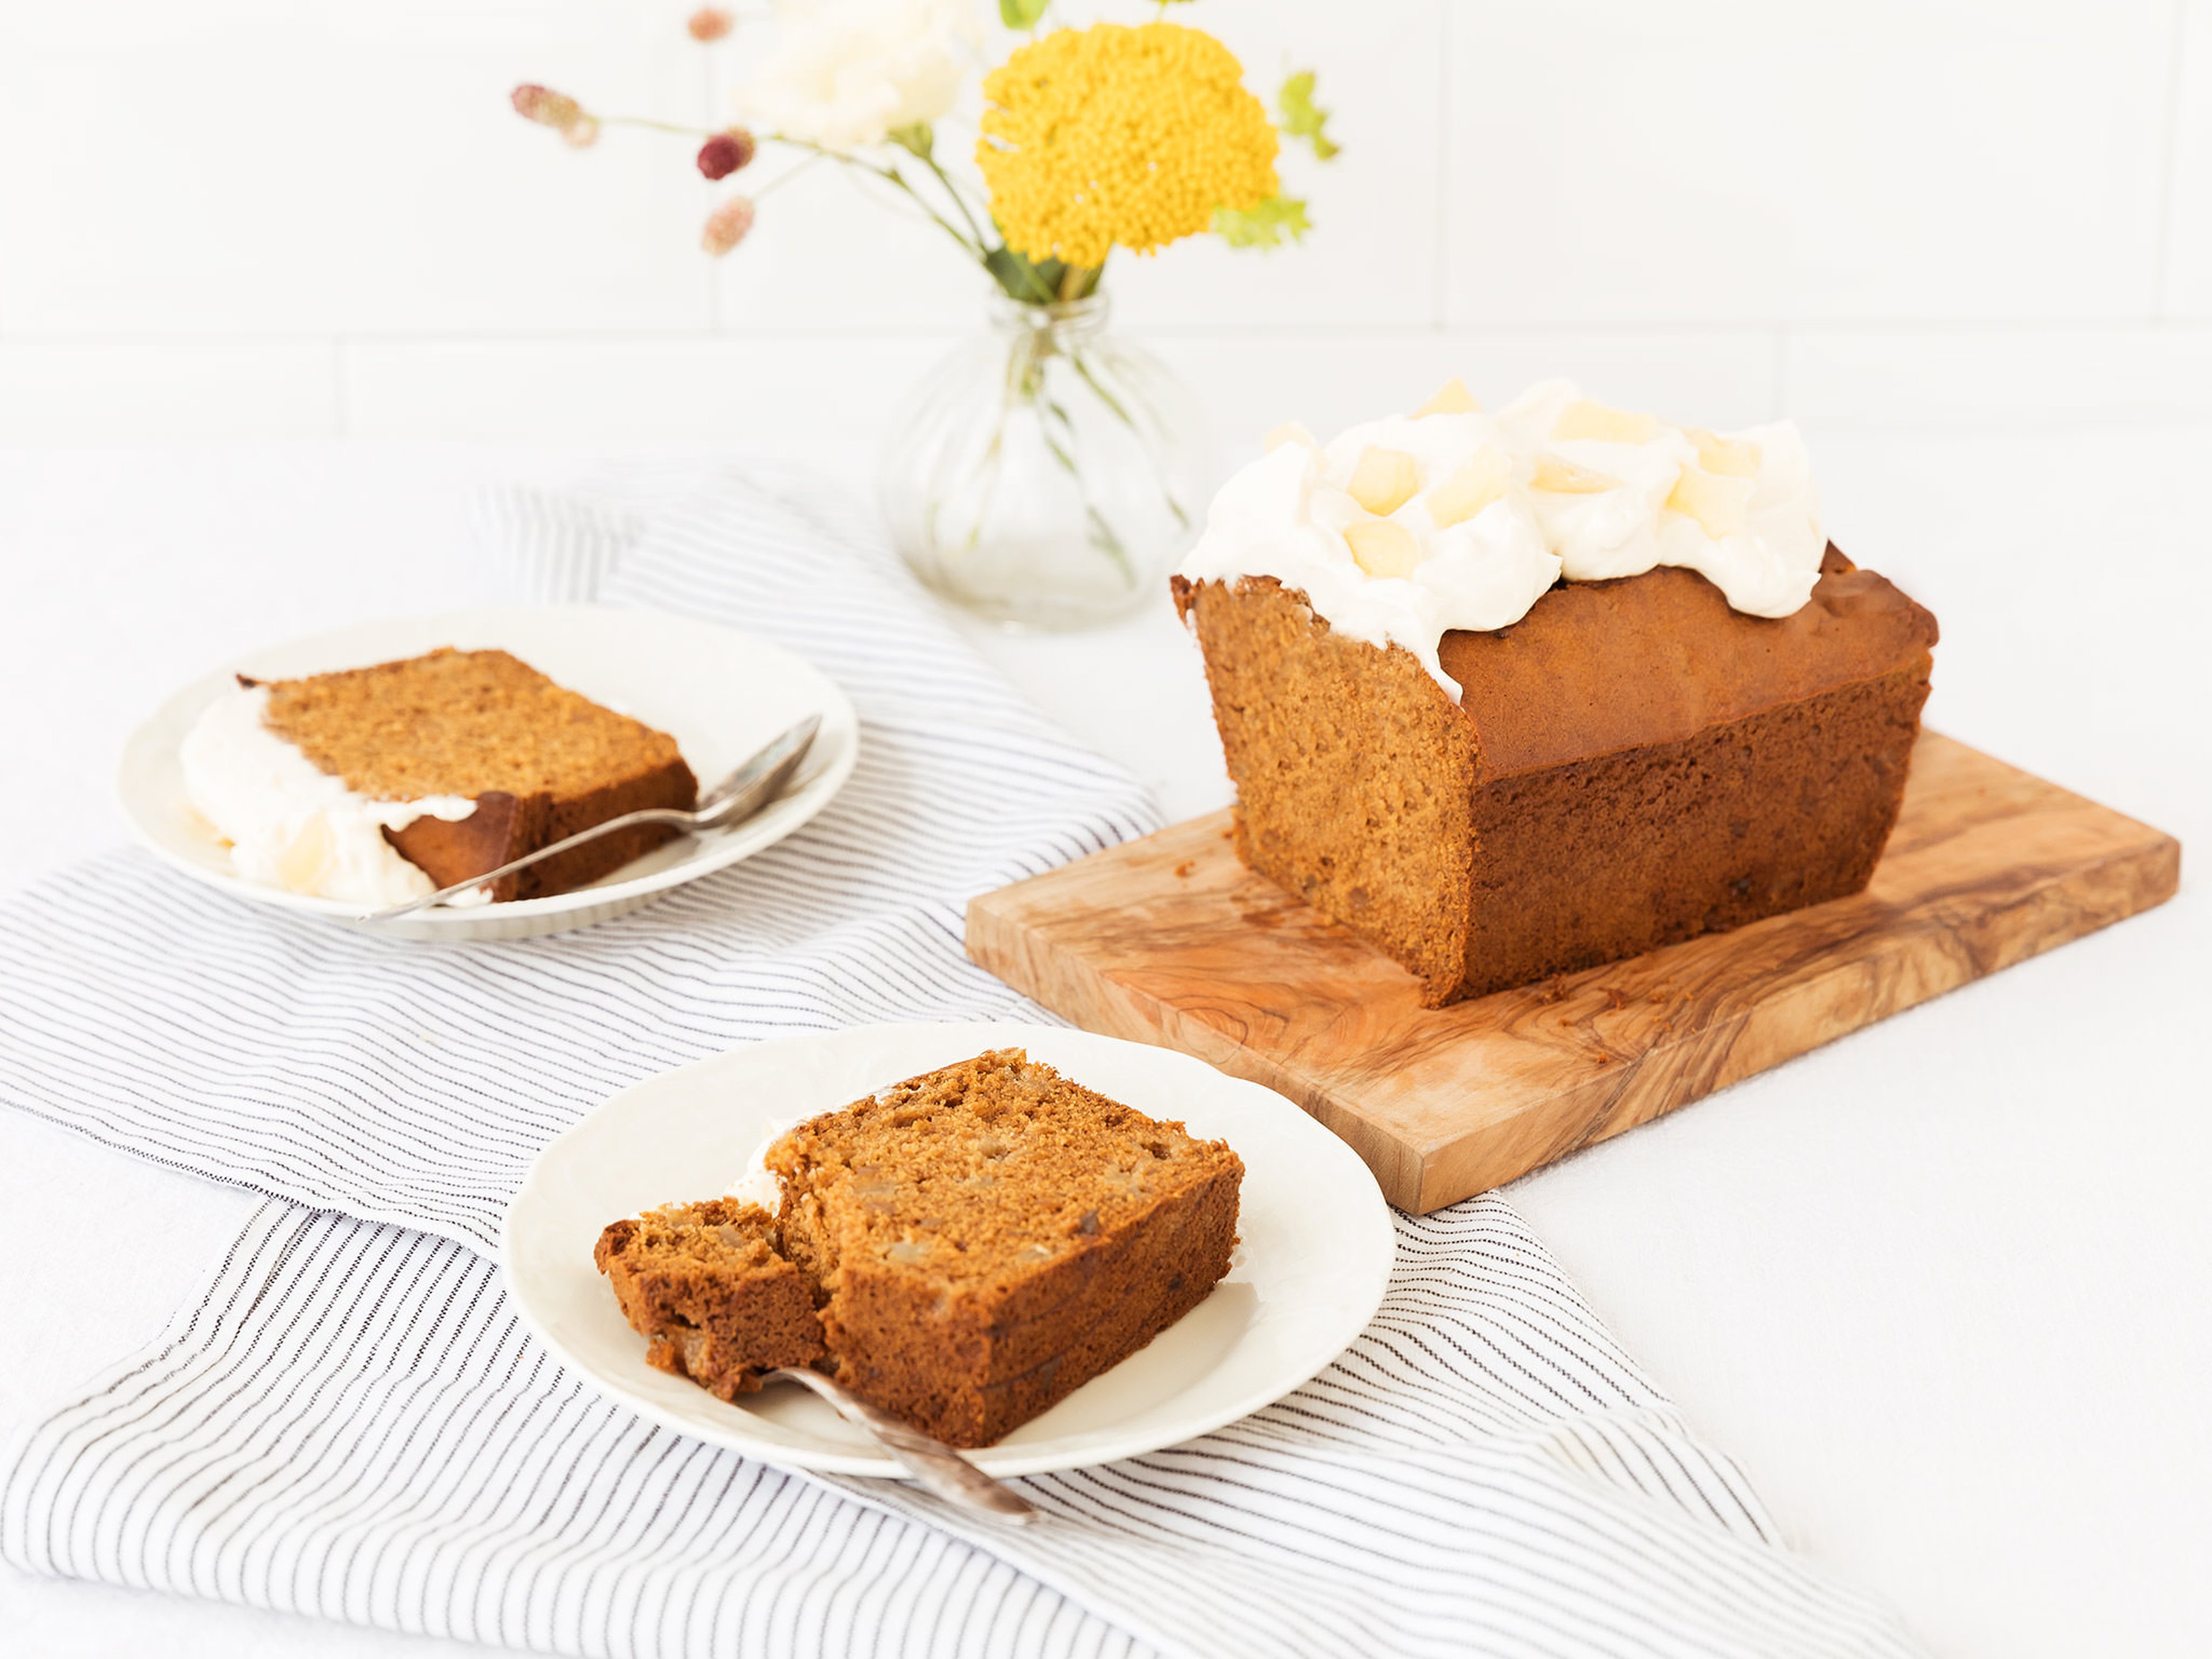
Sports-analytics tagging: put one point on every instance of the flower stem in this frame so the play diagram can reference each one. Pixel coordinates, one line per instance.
(972, 241)
(959, 198)
(653, 126)
(890, 175)
(786, 176)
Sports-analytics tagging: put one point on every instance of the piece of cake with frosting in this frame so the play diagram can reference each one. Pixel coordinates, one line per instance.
(377, 785)
(1516, 694)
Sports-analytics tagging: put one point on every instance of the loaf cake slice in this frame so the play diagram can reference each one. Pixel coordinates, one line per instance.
(991, 1236)
(984, 1239)
(541, 763)
(1631, 763)
(707, 1287)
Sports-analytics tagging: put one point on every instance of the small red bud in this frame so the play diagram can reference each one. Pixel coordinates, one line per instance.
(547, 107)
(709, 23)
(726, 225)
(725, 152)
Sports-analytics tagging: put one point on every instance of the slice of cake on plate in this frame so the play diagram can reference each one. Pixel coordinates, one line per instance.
(1515, 696)
(982, 1241)
(381, 784)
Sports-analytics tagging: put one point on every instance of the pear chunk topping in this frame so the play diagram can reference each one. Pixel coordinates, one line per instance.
(1382, 547)
(1730, 458)
(1470, 489)
(1563, 478)
(1719, 503)
(1586, 418)
(1385, 480)
(1452, 397)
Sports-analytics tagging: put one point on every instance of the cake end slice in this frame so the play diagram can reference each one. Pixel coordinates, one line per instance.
(708, 1287)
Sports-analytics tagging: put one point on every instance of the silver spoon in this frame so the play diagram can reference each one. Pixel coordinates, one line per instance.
(731, 802)
(930, 1462)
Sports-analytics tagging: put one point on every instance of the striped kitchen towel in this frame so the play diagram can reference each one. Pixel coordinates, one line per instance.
(350, 1421)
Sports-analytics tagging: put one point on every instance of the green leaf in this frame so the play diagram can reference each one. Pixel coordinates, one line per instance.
(1039, 281)
(1302, 118)
(919, 139)
(1023, 279)
(1267, 223)
(1023, 14)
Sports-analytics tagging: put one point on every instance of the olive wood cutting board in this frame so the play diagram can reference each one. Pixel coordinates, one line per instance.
(1170, 941)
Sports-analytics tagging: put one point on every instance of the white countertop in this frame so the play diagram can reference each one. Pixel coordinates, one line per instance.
(1942, 1287)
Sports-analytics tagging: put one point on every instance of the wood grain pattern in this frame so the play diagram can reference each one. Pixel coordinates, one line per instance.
(1170, 941)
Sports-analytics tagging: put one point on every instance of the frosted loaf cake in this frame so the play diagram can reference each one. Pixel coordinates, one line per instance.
(1515, 696)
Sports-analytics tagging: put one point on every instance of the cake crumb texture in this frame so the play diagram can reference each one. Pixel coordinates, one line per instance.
(459, 723)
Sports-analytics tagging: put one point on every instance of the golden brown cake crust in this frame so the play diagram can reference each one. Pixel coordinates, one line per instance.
(1599, 667)
(979, 1242)
(542, 762)
(1631, 765)
(452, 850)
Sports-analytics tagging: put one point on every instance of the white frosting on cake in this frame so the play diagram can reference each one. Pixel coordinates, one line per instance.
(759, 1184)
(1739, 508)
(291, 824)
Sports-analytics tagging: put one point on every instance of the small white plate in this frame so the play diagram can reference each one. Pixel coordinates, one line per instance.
(1316, 1250)
(721, 694)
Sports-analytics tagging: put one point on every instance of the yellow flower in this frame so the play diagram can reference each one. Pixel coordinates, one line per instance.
(1111, 135)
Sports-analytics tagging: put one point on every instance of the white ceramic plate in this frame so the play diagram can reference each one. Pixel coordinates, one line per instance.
(721, 694)
(1315, 1251)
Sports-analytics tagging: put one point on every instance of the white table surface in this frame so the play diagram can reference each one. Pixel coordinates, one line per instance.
(1944, 1288)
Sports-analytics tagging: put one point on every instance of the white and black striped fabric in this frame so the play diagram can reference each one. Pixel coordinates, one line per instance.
(550, 548)
(351, 1422)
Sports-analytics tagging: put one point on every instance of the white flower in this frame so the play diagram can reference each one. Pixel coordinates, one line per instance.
(845, 73)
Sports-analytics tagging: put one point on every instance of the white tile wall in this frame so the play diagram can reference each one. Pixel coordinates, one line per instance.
(1737, 160)
(297, 174)
(701, 386)
(224, 217)
(110, 388)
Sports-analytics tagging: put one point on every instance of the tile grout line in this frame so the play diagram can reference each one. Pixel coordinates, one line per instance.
(2170, 157)
(1591, 330)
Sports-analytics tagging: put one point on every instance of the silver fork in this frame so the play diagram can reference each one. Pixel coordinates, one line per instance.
(929, 1461)
(729, 803)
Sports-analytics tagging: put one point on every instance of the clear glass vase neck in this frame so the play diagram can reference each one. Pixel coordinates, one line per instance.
(1067, 319)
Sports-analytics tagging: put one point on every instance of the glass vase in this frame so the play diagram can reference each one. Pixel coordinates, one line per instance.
(1048, 473)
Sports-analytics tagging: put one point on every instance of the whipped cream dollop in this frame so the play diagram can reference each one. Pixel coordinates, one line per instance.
(1401, 529)
(291, 824)
(759, 1184)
